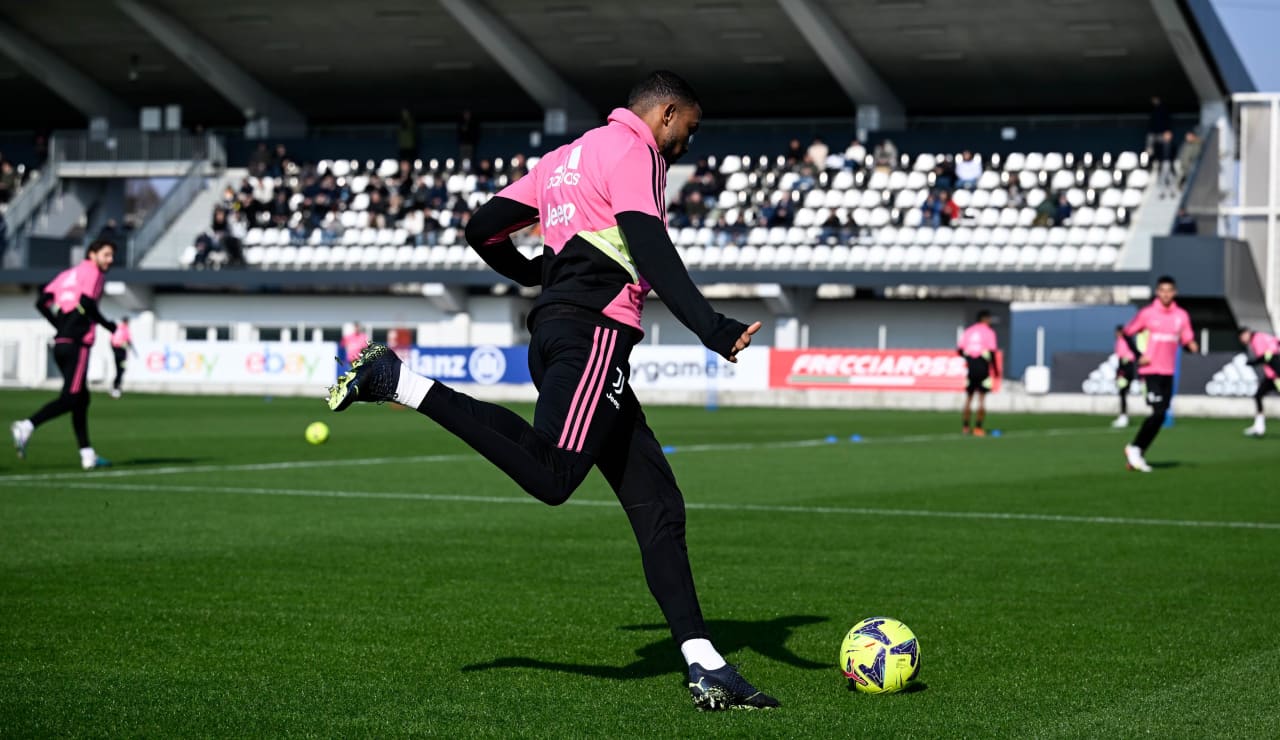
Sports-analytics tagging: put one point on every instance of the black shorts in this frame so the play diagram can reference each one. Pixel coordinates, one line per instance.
(1159, 389)
(1126, 373)
(979, 374)
(73, 362)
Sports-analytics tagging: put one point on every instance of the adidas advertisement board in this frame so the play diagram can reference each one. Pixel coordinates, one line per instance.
(1215, 374)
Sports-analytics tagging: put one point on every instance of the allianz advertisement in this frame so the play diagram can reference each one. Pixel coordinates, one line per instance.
(256, 363)
(483, 365)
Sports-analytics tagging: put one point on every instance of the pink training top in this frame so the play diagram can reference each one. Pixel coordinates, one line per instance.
(580, 188)
(1124, 351)
(1264, 346)
(1168, 329)
(353, 343)
(121, 336)
(84, 280)
(978, 340)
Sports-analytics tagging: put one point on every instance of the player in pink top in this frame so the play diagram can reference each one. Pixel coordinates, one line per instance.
(978, 347)
(601, 202)
(121, 345)
(70, 303)
(1126, 373)
(354, 343)
(1264, 350)
(1167, 328)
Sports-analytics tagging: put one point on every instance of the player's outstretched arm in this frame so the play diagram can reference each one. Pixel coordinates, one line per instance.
(91, 310)
(650, 246)
(489, 233)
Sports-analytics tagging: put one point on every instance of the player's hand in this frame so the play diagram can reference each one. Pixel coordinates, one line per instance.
(744, 341)
(1144, 360)
(1194, 347)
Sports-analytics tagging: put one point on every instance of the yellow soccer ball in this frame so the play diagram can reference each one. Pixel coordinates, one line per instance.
(880, 656)
(317, 432)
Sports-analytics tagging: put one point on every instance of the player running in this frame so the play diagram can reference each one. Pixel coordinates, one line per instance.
(1168, 327)
(1264, 350)
(601, 203)
(70, 303)
(977, 346)
(121, 345)
(1126, 372)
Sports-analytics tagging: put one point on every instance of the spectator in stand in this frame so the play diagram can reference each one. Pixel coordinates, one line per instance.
(968, 170)
(695, 209)
(259, 161)
(1015, 196)
(1158, 124)
(8, 181)
(833, 228)
(931, 210)
(1045, 211)
(518, 168)
(468, 138)
(703, 167)
(204, 247)
(948, 211)
(1188, 156)
(407, 136)
(817, 152)
(110, 232)
(1184, 223)
(280, 162)
(1062, 211)
(835, 163)
(855, 155)
(944, 174)
(886, 156)
(782, 213)
(377, 210)
(1162, 161)
(795, 153)
(484, 176)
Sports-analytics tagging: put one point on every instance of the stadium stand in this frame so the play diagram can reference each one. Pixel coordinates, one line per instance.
(736, 212)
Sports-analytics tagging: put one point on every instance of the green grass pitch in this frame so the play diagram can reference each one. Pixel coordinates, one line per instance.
(227, 579)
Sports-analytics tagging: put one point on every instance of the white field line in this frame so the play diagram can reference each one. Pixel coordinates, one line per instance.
(355, 462)
(825, 510)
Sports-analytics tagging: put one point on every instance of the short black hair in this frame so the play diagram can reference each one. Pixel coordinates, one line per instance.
(98, 244)
(1119, 327)
(1166, 279)
(984, 314)
(660, 87)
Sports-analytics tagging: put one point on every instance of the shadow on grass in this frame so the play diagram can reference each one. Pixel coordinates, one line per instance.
(912, 687)
(658, 658)
(1170, 464)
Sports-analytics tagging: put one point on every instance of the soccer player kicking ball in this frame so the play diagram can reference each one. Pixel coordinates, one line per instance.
(1168, 328)
(1263, 350)
(70, 303)
(978, 347)
(1126, 373)
(601, 204)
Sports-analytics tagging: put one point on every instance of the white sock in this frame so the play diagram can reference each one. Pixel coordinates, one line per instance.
(411, 388)
(1260, 420)
(87, 453)
(702, 652)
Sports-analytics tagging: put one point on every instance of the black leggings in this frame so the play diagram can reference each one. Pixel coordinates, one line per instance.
(1159, 396)
(1265, 387)
(121, 356)
(73, 362)
(586, 415)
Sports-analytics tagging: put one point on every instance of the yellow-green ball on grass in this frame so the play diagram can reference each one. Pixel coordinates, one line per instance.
(317, 432)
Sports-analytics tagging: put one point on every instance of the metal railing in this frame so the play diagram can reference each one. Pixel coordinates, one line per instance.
(134, 146)
(173, 205)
